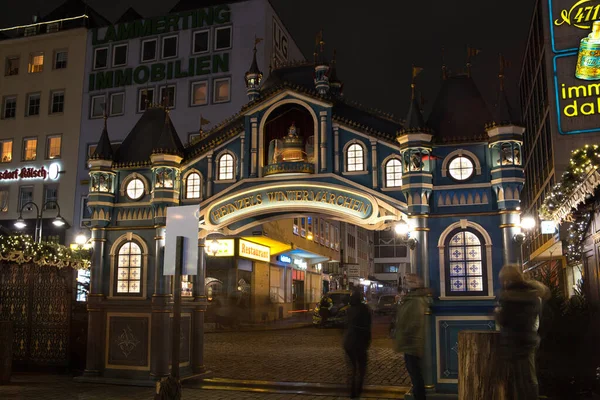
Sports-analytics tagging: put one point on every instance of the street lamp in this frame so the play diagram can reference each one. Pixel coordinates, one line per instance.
(58, 220)
(402, 228)
(527, 225)
(213, 247)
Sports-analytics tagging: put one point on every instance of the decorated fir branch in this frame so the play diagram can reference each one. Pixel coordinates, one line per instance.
(583, 162)
(22, 249)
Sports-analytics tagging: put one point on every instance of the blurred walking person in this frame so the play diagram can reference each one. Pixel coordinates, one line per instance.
(410, 331)
(518, 313)
(324, 310)
(356, 342)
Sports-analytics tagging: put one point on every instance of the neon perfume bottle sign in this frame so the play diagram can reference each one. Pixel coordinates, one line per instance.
(31, 173)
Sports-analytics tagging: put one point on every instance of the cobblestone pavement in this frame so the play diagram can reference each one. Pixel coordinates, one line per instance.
(300, 355)
(53, 387)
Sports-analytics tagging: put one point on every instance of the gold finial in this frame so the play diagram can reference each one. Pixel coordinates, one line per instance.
(504, 63)
(415, 72)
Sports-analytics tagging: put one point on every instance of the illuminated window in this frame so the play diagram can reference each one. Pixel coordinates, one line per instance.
(465, 273)
(36, 63)
(10, 107)
(101, 58)
(129, 269)
(29, 149)
(226, 167)
(167, 96)
(164, 178)
(135, 189)
(393, 173)
(201, 42)
(33, 104)
(355, 159)
(461, 168)
(60, 59)
(145, 98)
(223, 38)
(199, 93)
(6, 150)
(169, 47)
(12, 66)
(222, 91)
(53, 145)
(119, 55)
(57, 102)
(187, 286)
(149, 50)
(192, 186)
(117, 104)
(98, 106)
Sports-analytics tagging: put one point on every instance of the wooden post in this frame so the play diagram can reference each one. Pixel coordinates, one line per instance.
(478, 362)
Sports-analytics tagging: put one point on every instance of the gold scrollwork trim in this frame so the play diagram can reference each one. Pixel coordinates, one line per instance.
(508, 226)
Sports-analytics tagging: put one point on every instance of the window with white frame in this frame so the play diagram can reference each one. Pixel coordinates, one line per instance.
(135, 189)
(6, 147)
(53, 147)
(465, 270)
(393, 173)
(60, 59)
(201, 42)
(223, 38)
(50, 197)
(145, 98)
(461, 168)
(355, 158)
(129, 269)
(169, 46)
(9, 110)
(149, 50)
(29, 149)
(199, 93)
(119, 55)
(226, 167)
(192, 186)
(33, 104)
(222, 90)
(57, 101)
(36, 62)
(117, 104)
(98, 106)
(101, 58)
(167, 96)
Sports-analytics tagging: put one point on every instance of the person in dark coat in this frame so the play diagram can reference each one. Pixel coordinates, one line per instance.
(517, 315)
(356, 342)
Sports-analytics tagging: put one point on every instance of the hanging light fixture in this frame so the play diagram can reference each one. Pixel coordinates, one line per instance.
(59, 221)
(213, 247)
(402, 227)
(20, 223)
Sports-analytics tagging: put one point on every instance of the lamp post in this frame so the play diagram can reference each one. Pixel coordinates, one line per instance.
(21, 223)
(527, 225)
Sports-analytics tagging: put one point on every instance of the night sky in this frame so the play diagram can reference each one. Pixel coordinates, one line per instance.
(377, 41)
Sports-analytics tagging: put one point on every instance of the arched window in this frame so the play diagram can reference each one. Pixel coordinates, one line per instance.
(461, 168)
(466, 272)
(393, 173)
(129, 269)
(226, 167)
(192, 186)
(355, 158)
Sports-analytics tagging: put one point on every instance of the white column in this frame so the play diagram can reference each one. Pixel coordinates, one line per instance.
(242, 170)
(336, 145)
(374, 169)
(323, 143)
(209, 175)
(254, 149)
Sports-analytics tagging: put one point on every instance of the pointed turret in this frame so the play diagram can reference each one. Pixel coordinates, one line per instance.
(335, 85)
(415, 122)
(321, 66)
(167, 142)
(103, 148)
(503, 114)
(254, 75)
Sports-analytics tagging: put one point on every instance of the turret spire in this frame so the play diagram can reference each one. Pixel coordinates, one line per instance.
(503, 114)
(321, 67)
(103, 148)
(414, 120)
(254, 75)
(444, 72)
(471, 52)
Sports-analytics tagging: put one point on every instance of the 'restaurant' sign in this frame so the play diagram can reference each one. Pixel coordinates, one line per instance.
(254, 251)
(30, 173)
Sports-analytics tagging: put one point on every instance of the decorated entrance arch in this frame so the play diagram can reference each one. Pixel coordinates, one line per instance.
(300, 148)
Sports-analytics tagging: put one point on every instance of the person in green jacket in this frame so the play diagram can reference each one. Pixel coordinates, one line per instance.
(410, 331)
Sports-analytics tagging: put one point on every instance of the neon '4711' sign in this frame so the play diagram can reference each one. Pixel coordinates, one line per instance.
(581, 15)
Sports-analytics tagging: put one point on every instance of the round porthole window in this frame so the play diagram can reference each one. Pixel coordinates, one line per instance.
(461, 168)
(135, 189)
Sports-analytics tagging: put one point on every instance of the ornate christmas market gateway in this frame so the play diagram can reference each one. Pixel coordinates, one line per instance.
(297, 149)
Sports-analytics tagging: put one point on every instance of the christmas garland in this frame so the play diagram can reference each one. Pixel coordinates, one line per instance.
(583, 161)
(22, 249)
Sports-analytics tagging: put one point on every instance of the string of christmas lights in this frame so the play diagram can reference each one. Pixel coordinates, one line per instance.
(22, 249)
(583, 161)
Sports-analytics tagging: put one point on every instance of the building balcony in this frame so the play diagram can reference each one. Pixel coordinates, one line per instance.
(290, 168)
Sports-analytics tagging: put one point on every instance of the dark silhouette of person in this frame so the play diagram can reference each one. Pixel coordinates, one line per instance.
(409, 331)
(357, 339)
(517, 315)
(324, 310)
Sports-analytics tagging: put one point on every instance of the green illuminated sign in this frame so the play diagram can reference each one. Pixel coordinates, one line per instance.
(158, 25)
(196, 66)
